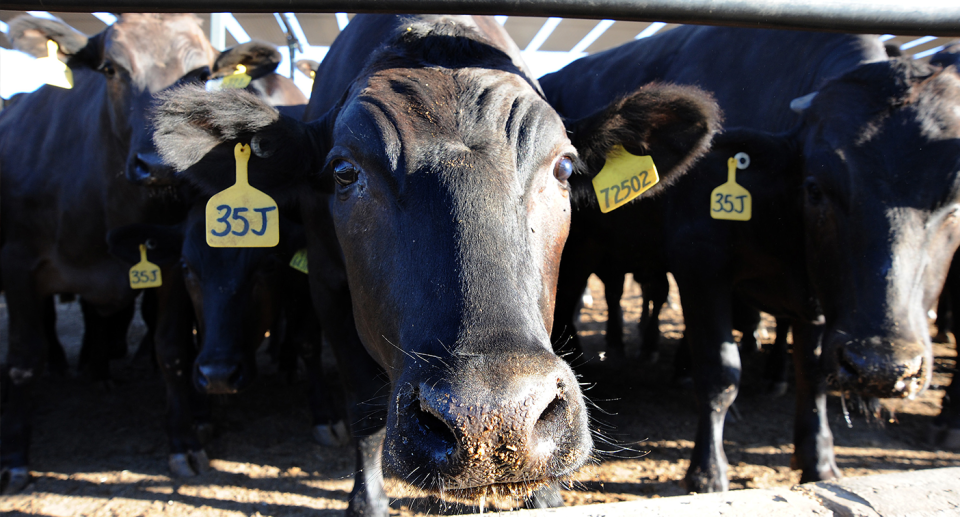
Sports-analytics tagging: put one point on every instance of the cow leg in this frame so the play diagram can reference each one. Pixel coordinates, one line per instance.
(778, 362)
(655, 293)
(176, 354)
(746, 319)
(328, 430)
(716, 378)
(365, 391)
(613, 292)
(546, 497)
(946, 427)
(146, 351)
(813, 441)
(574, 273)
(26, 358)
(104, 338)
(56, 356)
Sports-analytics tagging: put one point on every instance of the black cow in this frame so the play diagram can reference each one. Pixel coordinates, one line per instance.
(236, 294)
(69, 159)
(433, 183)
(869, 170)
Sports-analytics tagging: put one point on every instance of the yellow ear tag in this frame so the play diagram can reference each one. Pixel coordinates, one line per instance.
(730, 200)
(299, 261)
(242, 216)
(623, 177)
(53, 71)
(145, 274)
(238, 80)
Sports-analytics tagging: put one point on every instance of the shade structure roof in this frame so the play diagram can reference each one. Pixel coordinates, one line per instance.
(545, 34)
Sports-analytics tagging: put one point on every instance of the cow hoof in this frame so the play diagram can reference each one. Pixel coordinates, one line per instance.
(13, 480)
(189, 464)
(703, 484)
(778, 389)
(204, 433)
(331, 435)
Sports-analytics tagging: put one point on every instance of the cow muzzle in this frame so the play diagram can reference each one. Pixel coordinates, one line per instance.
(147, 169)
(221, 378)
(499, 426)
(883, 367)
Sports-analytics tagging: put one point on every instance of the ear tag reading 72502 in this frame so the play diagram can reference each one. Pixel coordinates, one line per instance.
(238, 79)
(623, 177)
(145, 274)
(242, 216)
(730, 200)
(299, 261)
(53, 71)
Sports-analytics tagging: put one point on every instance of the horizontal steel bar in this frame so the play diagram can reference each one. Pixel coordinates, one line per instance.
(907, 17)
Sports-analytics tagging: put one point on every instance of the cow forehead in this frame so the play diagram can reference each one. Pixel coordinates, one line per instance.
(902, 147)
(158, 49)
(438, 119)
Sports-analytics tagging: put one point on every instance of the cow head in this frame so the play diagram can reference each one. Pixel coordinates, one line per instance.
(235, 291)
(138, 56)
(882, 215)
(446, 173)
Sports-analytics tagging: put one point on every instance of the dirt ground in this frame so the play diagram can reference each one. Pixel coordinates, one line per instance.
(100, 451)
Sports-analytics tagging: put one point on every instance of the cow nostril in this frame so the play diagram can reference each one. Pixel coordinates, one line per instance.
(554, 411)
(433, 428)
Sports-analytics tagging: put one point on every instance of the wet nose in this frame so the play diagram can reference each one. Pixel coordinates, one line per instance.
(219, 378)
(519, 424)
(149, 169)
(883, 367)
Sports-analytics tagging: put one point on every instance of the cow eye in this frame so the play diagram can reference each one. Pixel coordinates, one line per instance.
(107, 69)
(564, 169)
(345, 173)
(814, 194)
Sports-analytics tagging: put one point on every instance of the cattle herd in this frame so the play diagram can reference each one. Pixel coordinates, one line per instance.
(448, 208)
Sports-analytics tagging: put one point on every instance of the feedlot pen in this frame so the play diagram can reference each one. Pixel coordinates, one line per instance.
(102, 451)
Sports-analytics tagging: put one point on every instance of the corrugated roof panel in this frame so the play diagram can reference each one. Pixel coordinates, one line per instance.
(6, 16)
(83, 22)
(567, 34)
(618, 34)
(523, 28)
(263, 27)
(320, 28)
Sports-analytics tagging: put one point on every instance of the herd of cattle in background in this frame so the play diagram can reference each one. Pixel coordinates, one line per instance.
(444, 199)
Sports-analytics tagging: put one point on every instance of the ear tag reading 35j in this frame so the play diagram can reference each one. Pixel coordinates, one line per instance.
(238, 80)
(53, 71)
(730, 200)
(623, 177)
(299, 261)
(242, 216)
(145, 274)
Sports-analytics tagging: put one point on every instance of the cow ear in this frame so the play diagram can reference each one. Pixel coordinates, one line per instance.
(164, 243)
(197, 130)
(30, 34)
(673, 124)
(259, 58)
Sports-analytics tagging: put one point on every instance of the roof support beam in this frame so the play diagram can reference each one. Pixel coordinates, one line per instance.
(917, 17)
